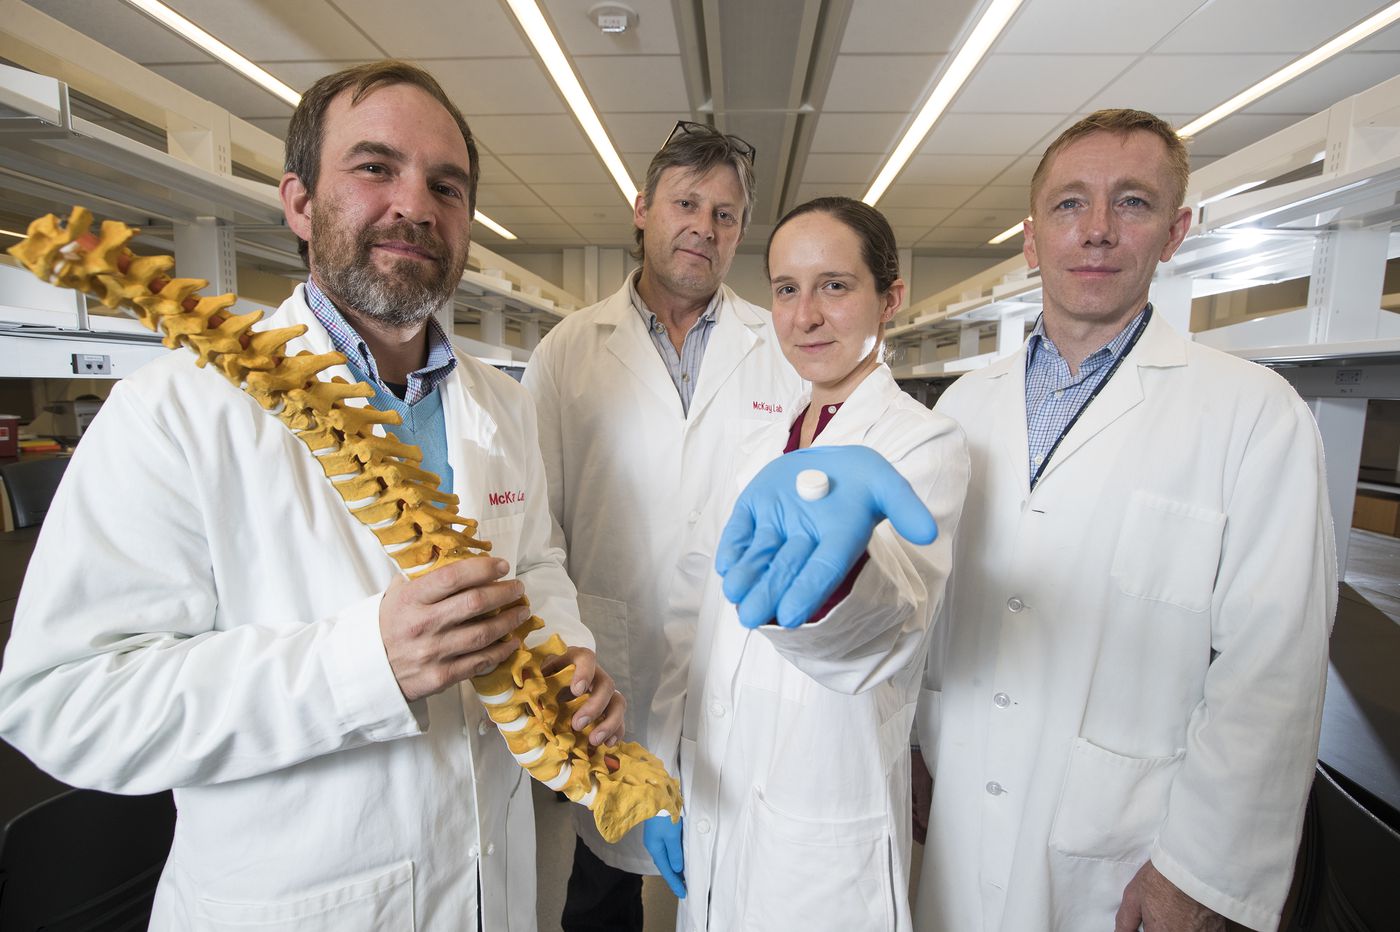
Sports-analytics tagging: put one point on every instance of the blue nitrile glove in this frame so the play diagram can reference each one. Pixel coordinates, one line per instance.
(662, 839)
(782, 557)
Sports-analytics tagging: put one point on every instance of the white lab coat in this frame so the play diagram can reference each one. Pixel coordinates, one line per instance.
(629, 475)
(794, 744)
(1131, 657)
(201, 613)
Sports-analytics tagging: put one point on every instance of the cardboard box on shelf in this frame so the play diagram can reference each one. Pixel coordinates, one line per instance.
(9, 435)
(1377, 512)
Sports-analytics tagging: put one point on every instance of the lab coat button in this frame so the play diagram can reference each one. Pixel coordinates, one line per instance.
(1014, 604)
(473, 851)
(1002, 700)
(716, 710)
(995, 788)
(693, 517)
(490, 849)
(703, 826)
(483, 728)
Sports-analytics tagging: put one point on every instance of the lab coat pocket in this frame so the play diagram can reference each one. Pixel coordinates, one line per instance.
(1168, 551)
(1111, 806)
(380, 901)
(504, 535)
(803, 873)
(607, 619)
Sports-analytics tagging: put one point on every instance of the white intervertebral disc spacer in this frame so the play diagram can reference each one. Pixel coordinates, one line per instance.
(812, 484)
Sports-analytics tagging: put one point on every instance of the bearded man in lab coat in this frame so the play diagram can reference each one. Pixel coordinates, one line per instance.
(642, 400)
(1134, 642)
(203, 612)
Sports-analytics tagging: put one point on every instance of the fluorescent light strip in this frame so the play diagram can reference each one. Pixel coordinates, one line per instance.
(1006, 234)
(1287, 73)
(12, 233)
(527, 13)
(178, 24)
(966, 60)
(494, 226)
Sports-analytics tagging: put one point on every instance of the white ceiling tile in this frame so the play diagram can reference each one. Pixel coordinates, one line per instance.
(271, 31)
(556, 234)
(226, 88)
(958, 236)
(954, 169)
(807, 192)
(427, 29)
(1002, 197)
(926, 217)
(639, 132)
(494, 170)
(839, 168)
(1186, 83)
(581, 195)
(1019, 172)
(879, 83)
(909, 194)
(1091, 26)
(1038, 83)
(857, 132)
(578, 32)
(593, 215)
(988, 133)
(982, 217)
(1330, 82)
(519, 215)
(126, 30)
(921, 26)
(1387, 40)
(634, 84)
(497, 85)
(510, 135)
(558, 169)
(506, 194)
(906, 236)
(613, 233)
(1281, 26)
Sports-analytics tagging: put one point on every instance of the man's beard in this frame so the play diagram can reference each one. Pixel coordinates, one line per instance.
(405, 296)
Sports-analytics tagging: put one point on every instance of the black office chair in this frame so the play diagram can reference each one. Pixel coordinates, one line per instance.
(84, 861)
(1350, 860)
(30, 484)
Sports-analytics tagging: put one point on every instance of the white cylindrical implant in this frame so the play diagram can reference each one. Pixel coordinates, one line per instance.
(812, 484)
(498, 698)
(516, 724)
(587, 800)
(529, 757)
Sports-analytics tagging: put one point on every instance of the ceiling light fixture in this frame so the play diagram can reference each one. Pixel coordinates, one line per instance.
(1006, 234)
(1273, 82)
(494, 226)
(183, 27)
(178, 24)
(988, 28)
(532, 21)
(13, 233)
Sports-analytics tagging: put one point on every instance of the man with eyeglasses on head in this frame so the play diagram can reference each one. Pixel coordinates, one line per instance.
(642, 400)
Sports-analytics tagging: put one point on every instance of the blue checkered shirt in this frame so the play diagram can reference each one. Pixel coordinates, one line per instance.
(421, 382)
(1053, 395)
(683, 367)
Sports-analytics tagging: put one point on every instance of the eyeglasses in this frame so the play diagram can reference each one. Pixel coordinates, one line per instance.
(687, 128)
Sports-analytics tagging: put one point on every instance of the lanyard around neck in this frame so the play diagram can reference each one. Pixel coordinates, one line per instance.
(1132, 341)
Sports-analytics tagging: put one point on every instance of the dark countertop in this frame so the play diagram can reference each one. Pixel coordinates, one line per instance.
(1361, 715)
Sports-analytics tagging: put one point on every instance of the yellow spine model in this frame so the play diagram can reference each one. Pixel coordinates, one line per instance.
(382, 484)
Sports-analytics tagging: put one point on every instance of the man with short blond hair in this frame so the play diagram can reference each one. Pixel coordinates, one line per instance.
(642, 400)
(1123, 700)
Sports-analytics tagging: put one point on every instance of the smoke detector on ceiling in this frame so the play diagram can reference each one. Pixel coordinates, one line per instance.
(613, 18)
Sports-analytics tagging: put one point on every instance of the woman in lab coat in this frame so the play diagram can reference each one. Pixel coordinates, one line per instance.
(793, 744)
